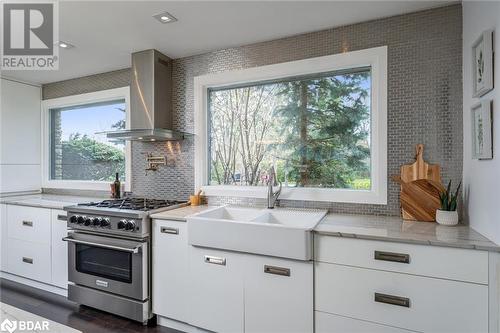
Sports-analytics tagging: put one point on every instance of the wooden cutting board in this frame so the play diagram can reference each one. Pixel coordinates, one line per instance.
(420, 198)
(420, 169)
(416, 171)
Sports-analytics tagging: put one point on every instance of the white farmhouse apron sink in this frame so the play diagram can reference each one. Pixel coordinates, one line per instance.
(278, 232)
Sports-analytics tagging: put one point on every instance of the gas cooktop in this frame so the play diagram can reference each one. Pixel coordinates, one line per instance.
(133, 203)
(128, 216)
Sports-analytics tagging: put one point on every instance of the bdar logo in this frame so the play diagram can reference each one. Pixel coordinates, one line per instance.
(8, 326)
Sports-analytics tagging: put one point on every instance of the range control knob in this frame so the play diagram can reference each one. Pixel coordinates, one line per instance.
(96, 221)
(73, 219)
(87, 221)
(121, 224)
(80, 219)
(105, 223)
(130, 225)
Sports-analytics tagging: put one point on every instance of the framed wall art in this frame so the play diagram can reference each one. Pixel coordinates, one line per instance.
(482, 134)
(482, 64)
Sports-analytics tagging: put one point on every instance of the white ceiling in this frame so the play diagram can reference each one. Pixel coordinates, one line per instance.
(105, 33)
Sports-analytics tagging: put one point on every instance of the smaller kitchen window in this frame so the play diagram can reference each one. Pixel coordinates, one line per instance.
(78, 154)
(79, 150)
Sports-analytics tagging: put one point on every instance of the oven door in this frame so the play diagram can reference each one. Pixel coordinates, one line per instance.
(118, 266)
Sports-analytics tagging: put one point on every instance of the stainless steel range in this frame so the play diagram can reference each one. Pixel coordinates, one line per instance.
(109, 254)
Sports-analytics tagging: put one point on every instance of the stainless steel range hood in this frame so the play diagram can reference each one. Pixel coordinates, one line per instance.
(150, 100)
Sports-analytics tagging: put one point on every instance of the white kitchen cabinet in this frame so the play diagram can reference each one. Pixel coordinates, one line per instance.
(402, 300)
(363, 283)
(439, 262)
(30, 224)
(237, 292)
(59, 249)
(217, 302)
(20, 128)
(278, 295)
(225, 291)
(329, 323)
(170, 270)
(28, 252)
(32, 245)
(29, 259)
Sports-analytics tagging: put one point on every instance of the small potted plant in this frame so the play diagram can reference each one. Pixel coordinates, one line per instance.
(448, 214)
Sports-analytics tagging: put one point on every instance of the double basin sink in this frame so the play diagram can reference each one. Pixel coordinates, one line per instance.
(285, 233)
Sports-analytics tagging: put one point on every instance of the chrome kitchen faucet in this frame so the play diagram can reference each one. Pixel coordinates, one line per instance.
(272, 196)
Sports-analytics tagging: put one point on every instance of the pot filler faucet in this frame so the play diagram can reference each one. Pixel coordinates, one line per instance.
(272, 196)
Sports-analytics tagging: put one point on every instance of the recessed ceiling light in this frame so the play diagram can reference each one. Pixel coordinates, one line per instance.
(165, 17)
(65, 45)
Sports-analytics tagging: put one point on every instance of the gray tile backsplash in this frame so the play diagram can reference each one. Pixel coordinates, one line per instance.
(424, 98)
(86, 84)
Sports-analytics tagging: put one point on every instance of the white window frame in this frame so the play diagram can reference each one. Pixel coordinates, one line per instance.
(67, 101)
(376, 58)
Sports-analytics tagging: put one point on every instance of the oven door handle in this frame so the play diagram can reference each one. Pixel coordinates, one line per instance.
(112, 247)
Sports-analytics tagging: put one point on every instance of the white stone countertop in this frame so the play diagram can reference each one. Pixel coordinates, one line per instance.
(383, 228)
(180, 214)
(395, 229)
(41, 200)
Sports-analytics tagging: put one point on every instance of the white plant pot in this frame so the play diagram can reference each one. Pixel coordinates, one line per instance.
(446, 217)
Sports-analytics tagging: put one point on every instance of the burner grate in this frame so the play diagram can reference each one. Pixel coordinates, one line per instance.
(133, 203)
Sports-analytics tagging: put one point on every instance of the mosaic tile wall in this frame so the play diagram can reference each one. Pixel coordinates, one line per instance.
(86, 84)
(424, 99)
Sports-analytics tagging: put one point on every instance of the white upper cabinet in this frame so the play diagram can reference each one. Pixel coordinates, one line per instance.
(20, 123)
(20, 126)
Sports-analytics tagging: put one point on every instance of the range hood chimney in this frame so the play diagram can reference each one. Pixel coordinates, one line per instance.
(150, 100)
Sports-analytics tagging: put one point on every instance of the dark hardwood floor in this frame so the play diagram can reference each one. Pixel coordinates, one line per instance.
(59, 309)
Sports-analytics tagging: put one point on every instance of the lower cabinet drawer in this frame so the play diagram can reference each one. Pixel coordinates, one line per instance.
(28, 224)
(433, 261)
(401, 300)
(28, 259)
(329, 323)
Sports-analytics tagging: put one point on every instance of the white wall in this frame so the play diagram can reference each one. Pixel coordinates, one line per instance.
(481, 178)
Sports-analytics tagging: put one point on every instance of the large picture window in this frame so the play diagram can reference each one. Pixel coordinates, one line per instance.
(320, 122)
(314, 130)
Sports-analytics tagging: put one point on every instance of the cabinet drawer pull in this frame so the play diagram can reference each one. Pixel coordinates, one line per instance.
(28, 260)
(391, 256)
(61, 217)
(215, 260)
(168, 230)
(28, 223)
(393, 300)
(277, 270)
